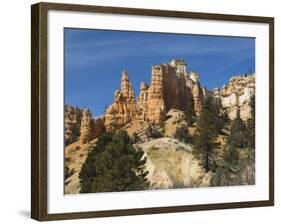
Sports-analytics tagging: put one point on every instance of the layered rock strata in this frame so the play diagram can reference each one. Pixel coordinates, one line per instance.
(86, 126)
(72, 122)
(123, 109)
(172, 87)
(236, 96)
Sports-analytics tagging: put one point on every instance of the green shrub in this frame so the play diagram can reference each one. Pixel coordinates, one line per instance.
(135, 138)
(152, 132)
(182, 134)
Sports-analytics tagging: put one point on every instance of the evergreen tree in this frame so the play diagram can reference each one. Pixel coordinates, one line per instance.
(135, 138)
(227, 166)
(205, 139)
(238, 134)
(182, 134)
(230, 157)
(189, 115)
(66, 171)
(241, 136)
(214, 111)
(113, 165)
(251, 125)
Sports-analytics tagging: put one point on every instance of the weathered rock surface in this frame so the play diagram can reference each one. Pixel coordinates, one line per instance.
(75, 156)
(90, 128)
(72, 122)
(197, 92)
(174, 119)
(236, 96)
(79, 125)
(123, 109)
(86, 126)
(171, 165)
(172, 87)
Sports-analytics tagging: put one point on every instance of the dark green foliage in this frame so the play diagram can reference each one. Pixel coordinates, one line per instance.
(228, 165)
(205, 139)
(66, 171)
(113, 165)
(75, 135)
(182, 134)
(152, 132)
(214, 111)
(238, 134)
(241, 136)
(230, 158)
(76, 132)
(236, 167)
(135, 138)
(238, 138)
(189, 116)
(232, 166)
(251, 125)
(205, 146)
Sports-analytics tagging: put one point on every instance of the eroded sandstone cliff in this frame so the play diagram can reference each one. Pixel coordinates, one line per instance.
(172, 87)
(123, 109)
(236, 96)
(72, 122)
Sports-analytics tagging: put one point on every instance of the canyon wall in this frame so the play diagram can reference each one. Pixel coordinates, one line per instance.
(79, 125)
(172, 87)
(90, 128)
(72, 123)
(123, 109)
(236, 96)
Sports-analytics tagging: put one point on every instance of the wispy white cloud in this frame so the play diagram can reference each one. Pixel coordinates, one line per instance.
(91, 52)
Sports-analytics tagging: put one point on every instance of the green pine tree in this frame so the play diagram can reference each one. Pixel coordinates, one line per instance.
(114, 165)
(238, 134)
(228, 165)
(230, 157)
(251, 125)
(219, 120)
(205, 139)
(189, 116)
(242, 135)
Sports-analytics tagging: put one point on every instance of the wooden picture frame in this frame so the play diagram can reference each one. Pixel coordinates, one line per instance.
(39, 109)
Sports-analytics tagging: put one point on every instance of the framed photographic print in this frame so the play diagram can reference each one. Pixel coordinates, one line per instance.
(139, 111)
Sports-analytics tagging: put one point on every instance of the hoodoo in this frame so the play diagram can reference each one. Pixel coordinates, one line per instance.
(172, 87)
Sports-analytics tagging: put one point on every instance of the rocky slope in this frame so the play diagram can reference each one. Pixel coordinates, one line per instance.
(75, 155)
(170, 164)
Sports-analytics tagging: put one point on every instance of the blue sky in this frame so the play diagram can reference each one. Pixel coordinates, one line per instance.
(94, 60)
